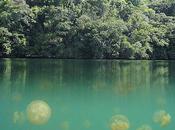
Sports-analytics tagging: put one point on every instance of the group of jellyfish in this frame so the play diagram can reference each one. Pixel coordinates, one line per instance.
(39, 113)
(121, 122)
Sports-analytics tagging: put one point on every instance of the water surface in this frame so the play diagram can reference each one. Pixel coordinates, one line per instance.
(85, 94)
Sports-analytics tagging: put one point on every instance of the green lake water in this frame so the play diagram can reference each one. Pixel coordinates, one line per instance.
(85, 94)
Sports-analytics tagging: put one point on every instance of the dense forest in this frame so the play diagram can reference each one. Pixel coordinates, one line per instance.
(111, 29)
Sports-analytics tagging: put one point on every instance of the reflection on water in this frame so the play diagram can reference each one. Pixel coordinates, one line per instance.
(123, 76)
(85, 92)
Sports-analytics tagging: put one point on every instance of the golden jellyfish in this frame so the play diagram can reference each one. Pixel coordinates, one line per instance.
(18, 117)
(161, 102)
(145, 127)
(162, 117)
(38, 112)
(17, 97)
(119, 122)
(64, 125)
(116, 110)
(87, 124)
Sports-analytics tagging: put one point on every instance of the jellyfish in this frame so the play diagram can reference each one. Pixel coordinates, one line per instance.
(119, 122)
(145, 127)
(64, 125)
(161, 102)
(18, 117)
(116, 110)
(17, 97)
(162, 117)
(87, 124)
(38, 112)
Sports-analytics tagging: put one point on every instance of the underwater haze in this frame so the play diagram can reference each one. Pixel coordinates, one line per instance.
(87, 94)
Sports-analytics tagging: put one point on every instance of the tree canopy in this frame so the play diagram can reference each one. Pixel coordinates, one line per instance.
(112, 29)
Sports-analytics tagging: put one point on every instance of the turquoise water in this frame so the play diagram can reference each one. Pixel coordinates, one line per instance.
(85, 94)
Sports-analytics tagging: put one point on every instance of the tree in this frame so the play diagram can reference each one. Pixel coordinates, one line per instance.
(11, 44)
(132, 29)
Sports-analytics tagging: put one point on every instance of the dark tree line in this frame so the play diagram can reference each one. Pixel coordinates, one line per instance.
(127, 29)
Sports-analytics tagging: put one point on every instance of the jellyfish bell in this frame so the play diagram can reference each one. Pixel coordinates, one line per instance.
(166, 119)
(162, 117)
(64, 125)
(38, 112)
(116, 110)
(161, 102)
(17, 97)
(145, 127)
(18, 117)
(87, 124)
(119, 122)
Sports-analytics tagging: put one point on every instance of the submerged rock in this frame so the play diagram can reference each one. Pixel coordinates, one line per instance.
(38, 112)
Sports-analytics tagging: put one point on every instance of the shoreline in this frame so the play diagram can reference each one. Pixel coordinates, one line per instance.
(53, 58)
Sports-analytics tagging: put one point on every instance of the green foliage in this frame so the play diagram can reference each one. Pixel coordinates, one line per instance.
(11, 44)
(5, 43)
(18, 18)
(132, 29)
